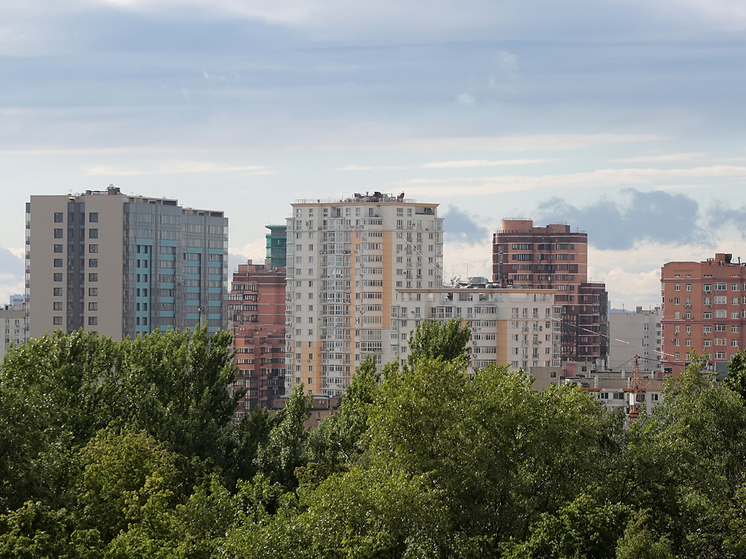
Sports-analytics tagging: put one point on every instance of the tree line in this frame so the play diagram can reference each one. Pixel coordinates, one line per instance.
(129, 449)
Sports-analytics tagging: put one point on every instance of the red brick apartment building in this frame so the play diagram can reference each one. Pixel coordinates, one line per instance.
(556, 258)
(704, 309)
(257, 311)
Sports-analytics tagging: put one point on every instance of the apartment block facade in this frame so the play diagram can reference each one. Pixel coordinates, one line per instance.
(345, 260)
(517, 327)
(704, 310)
(123, 265)
(257, 309)
(555, 258)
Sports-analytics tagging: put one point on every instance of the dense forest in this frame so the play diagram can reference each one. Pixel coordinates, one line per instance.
(129, 449)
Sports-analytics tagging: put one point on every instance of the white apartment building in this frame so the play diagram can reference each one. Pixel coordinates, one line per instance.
(517, 327)
(345, 260)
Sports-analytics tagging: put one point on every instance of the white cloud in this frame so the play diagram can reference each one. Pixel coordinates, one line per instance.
(523, 142)
(668, 158)
(176, 167)
(355, 168)
(467, 260)
(482, 163)
(480, 186)
(466, 98)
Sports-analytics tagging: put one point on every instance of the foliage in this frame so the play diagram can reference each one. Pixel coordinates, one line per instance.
(433, 339)
(129, 449)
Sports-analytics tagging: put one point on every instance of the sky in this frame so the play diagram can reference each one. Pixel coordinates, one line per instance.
(624, 119)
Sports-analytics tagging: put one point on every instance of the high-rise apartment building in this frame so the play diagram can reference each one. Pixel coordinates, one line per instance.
(345, 260)
(555, 258)
(636, 333)
(704, 310)
(257, 308)
(123, 265)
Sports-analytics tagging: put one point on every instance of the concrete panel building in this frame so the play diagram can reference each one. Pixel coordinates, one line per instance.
(345, 260)
(704, 310)
(123, 265)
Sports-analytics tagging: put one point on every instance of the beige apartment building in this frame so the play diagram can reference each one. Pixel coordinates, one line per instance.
(123, 265)
(345, 260)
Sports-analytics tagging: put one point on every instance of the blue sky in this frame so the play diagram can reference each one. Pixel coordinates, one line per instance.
(624, 119)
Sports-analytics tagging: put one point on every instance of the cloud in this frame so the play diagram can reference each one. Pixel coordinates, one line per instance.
(466, 98)
(176, 167)
(480, 186)
(524, 142)
(459, 226)
(11, 274)
(255, 251)
(482, 163)
(355, 168)
(669, 158)
(645, 216)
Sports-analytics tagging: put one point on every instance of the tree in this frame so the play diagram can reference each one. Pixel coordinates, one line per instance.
(283, 452)
(431, 339)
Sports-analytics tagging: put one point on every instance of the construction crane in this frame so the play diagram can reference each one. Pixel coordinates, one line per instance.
(635, 391)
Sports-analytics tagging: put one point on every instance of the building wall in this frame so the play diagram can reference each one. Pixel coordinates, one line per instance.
(635, 333)
(509, 326)
(257, 309)
(345, 259)
(704, 310)
(123, 265)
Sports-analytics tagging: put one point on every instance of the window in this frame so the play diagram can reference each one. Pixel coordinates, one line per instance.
(58, 262)
(57, 248)
(720, 328)
(707, 315)
(93, 233)
(735, 342)
(721, 286)
(57, 320)
(93, 217)
(92, 306)
(92, 277)
(58, 233)
(93, 249)
(677, 314)
(688, 286)
(677, 301)
(92, 321)
(735, 286)
(677, 287)
(58, 277)
(93, 291)
(706, 329)
(58, 217)
(721, 313)
(721, 300)
(735, 328)
(57, 292)
(57, 306)
(93, 262)
(706, 343)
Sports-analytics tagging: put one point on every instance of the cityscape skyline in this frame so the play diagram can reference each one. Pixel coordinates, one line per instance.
(626, 122)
